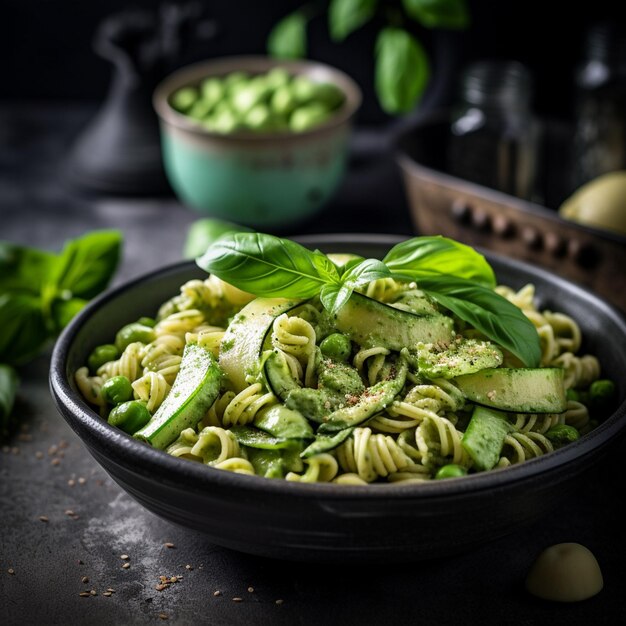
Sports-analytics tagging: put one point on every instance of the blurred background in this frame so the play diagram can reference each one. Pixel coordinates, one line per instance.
(59, 70)
(48, 54)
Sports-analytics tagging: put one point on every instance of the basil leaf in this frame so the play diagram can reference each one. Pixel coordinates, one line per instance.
(23, 328)
(85, 267)
(206, 231)
(63, 311)
(333, 297)
(346, 16)
(327, 270)
(23, 268)
(496, 317)
(365, 272)
(267, 266)
(402, 70)
(450, 14)
(440, 255)
(287, 40)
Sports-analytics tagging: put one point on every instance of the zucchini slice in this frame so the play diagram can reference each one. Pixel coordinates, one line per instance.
(194, 390)
(523, 390)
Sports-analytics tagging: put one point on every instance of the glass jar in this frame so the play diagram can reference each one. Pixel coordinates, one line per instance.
(600, 109)
(493, 132)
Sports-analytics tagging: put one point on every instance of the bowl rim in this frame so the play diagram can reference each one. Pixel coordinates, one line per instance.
(193, 72)
(143, 459)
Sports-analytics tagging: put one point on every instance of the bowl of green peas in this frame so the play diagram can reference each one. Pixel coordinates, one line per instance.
(255, 140)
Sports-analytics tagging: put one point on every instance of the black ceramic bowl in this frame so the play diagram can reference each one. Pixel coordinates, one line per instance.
(322, 522)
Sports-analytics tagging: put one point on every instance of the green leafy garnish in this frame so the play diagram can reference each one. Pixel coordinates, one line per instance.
(454, 275)
(287, 40)
(40, 292)
(451, 14)
(346, 16)
(442, 256)
(269, 266)
(494, 316)
(402, 70)
(402, 67)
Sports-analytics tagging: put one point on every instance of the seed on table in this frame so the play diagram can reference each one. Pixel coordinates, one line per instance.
(11, 571)
(52, 450)
(188, 567)
(217, 593)
(55, 462)
(85, 579)
(71, 482)
(279, 601)
(174, 579)
(82, 481)
(163, 616)
(169, 544)
(126, 566)
(124, 557)
(237, 599)
(93, 592)
(107, 594)
(84, 594)
(111, 590)
(250, 589)
(39, 454)
(43, 518)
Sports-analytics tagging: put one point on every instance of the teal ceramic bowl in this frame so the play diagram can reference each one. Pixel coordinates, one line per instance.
(266, 179)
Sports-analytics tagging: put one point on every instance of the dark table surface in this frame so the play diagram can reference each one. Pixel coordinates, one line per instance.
(64, 521)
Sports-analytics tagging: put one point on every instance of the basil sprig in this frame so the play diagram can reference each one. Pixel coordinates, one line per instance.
(41, 291)
(452, 274)
(269, 266)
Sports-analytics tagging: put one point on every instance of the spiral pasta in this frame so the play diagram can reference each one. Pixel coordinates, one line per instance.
(151, 388)
(129, 363)
(296, 337)
(243, 407)
(371, 456)
(287, 428)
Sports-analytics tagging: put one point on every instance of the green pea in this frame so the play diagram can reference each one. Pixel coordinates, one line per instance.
(245, 98)
(258, 118)
(303, 89)
(308, 116)
(129, 416)
(277, 77)
(328, 94)
(562, 434)
(131, 333)
(212, 90)
(601, 394)
(225, 122)
(450, 471)
(117, 389)
(183, 99)
(234, 81)
(200, 110)
(101, 355)
(283, 101)
(337, 347)
(147, 321)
